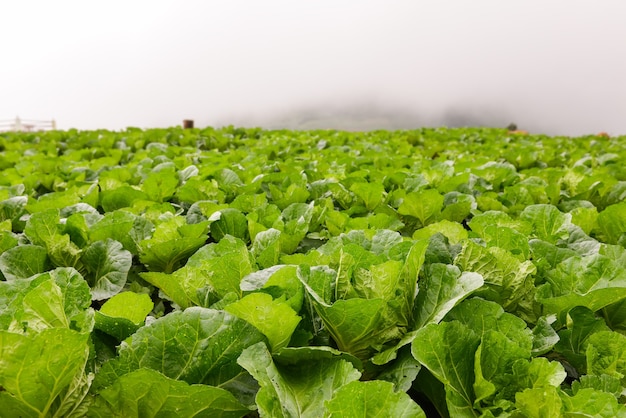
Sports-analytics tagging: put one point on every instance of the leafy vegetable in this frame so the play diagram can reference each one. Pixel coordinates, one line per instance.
(234, 272)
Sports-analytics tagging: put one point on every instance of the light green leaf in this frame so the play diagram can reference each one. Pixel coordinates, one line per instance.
(187, 286)
(507, 279)
(227, 263)
(539, 402)
(581, 324)
(372, 399)
(612, 223)
(452, 230)
(132, 306)
(447, 350)
(43, 228)
(266, 248)
(549, 224)
(107, 264)
(424, 205)
(593, 403)
(37, 370)
(442, 287)
(370, 193)
(275, 319)
(593, 282)
(606, 354)
(197, 345)
(295, 390)
(146, 393)
(24, 261)
(229, 221)
(128, 229)
(123, 314)
(121, 197)
(160, 186)
(56, 299)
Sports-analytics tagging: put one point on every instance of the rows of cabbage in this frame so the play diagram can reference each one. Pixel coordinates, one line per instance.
(233, 272)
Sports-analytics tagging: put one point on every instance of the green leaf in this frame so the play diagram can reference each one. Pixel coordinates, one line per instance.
(593, 403)
(294, 225)
(295, 390)
(119, 328)
(129, 305)
(7, 241)
(581, 324)
(12, 209)
(275, 319)
(107, 264)
(457, 206)
(187, 286)
(229, 222)
(160, 186)
(43, 228)
(170, 255)
(447, 351)
(56, 299)
(604, 383)
(227, 263)
(539, 403)
(356, 324)
(606, 354)
(373, 398)
(266, 248)
(585, 217)
(197, 345)
(593, 282)
(123, 314)
(24, 261)
(507, 279)
(537, 373)
(482, 316)
(370, 193)
(37, 371)
(132, 306)
(612, 223)
(424, 205)
(442, 287)
(544, 335)
(128, 229)
(402, 371)
(451, 230)
(508, 239)
(549, 224)
(121, 197)
(147, 393)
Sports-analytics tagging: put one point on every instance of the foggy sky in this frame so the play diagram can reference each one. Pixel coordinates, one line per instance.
(555, 67)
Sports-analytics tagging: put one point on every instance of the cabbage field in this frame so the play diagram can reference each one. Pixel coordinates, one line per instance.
(243, 272)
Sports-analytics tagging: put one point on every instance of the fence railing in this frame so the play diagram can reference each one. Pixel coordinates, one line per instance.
(27, 125)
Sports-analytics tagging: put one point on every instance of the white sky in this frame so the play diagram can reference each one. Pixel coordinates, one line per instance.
(554, 66)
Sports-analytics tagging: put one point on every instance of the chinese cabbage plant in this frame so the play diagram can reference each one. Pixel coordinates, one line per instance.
(242, 272)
